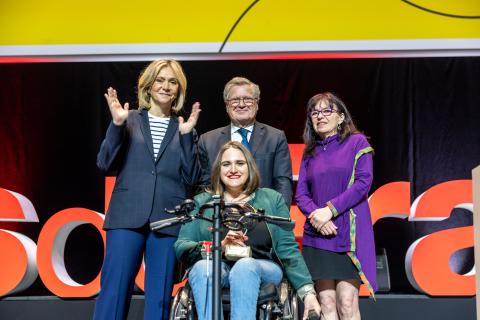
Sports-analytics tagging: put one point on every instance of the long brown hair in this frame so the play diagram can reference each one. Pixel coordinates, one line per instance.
(346, 128)
(253, 180)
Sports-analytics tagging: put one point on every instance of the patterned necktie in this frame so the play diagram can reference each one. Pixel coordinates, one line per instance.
(244, 133)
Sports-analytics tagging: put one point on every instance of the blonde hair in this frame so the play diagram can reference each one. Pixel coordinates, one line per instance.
(240, 81)
(148, 77)
(253, 180)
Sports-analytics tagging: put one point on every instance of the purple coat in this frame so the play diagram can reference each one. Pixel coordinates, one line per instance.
(339, 175)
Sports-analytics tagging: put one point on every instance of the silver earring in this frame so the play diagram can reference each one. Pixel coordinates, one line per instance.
(339, 127)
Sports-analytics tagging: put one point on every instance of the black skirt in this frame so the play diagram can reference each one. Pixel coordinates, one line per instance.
(324, 264)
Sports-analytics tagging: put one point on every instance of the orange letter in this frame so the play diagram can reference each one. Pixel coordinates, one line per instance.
(19, 269)
(51, 245)
(296, 150)
(427, 260)
(390, 200)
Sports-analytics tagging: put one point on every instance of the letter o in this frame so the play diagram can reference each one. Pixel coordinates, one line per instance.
(50, 252)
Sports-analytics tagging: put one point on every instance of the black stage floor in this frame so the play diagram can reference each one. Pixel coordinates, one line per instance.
(387, 306)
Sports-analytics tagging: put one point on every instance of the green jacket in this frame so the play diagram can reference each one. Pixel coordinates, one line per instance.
(188, 245)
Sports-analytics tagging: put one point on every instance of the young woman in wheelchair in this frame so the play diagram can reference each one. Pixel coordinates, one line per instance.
(274, 251)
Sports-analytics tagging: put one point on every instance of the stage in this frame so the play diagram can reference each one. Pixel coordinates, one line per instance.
(387, 306)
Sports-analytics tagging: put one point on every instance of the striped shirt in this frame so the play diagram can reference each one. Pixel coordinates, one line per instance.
(158, 127)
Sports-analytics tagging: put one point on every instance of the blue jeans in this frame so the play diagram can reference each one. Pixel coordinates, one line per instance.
(243, 279)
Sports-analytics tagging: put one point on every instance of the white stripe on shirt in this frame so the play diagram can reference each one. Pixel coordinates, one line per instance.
(158, 128)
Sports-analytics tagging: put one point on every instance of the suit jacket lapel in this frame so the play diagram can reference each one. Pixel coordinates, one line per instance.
(257, 136)
(225, 136)
(147, 135)
(171, 131)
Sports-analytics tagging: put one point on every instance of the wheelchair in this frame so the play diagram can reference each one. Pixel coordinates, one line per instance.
(274, 303)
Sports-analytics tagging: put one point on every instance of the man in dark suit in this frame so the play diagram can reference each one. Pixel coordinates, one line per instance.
(268, 145)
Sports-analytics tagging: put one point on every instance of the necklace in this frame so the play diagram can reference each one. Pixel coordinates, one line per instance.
(324, 144)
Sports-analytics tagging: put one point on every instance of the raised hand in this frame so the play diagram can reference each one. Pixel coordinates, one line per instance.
(119, 113)
(186, 127)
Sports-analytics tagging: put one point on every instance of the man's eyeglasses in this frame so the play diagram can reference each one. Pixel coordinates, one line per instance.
(248, 101)
(324, 112)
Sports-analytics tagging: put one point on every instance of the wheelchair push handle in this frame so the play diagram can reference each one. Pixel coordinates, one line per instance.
(161, 224)
(182, 209)
(288, 225)
(283, 222)
(313, 315)
(181, 212)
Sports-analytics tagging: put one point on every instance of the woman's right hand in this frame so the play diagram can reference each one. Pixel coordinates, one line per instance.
(119, 113)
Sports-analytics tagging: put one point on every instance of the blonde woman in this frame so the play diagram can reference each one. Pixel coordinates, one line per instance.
(152, 152)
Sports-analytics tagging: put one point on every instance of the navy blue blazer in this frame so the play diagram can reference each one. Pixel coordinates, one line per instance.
(269, 149)
(145, 185)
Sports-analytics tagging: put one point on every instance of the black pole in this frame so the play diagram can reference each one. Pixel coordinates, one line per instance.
(217, 258)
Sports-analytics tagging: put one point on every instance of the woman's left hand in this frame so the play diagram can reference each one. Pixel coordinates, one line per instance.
(328, 229)
(187, 127)
(319, 217)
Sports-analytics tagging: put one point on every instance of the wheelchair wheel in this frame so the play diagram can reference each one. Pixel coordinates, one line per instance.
(182, 307)
(265, 311)
(294, 307)
(288, 303)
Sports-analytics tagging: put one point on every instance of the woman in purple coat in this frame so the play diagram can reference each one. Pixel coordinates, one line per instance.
(335, 177)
